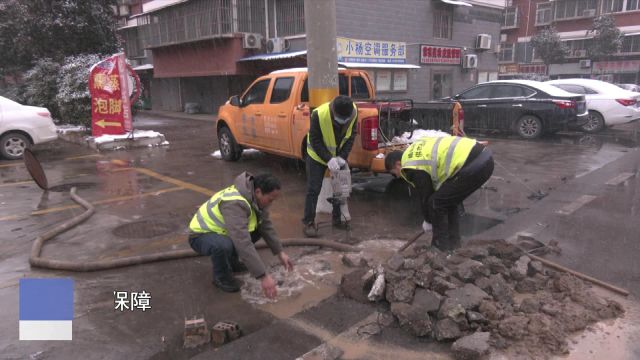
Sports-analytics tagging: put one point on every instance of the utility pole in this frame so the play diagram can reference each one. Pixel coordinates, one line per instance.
(322, 58)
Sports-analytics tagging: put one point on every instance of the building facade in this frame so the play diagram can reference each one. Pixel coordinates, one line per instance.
(572, 19)
(204, 51)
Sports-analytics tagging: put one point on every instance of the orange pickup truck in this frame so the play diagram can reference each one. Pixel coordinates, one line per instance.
(273, 114)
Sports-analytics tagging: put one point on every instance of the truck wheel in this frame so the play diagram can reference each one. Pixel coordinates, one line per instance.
(229, 148)
(594, 124)
(12, 145)
(529, 127)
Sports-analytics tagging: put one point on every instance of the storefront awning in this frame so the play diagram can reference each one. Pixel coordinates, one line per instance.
(456, 2)
(143, 67)
(377, 65)
(267, 57)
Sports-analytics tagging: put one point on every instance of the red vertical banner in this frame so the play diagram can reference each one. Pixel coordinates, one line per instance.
(110, 103)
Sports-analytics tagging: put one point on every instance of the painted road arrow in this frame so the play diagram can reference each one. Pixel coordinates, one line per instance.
(103, 123)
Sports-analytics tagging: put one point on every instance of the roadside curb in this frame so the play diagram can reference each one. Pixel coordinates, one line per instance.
(180, 115)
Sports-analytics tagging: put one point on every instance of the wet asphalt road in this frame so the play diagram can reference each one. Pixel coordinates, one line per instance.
(562, 167)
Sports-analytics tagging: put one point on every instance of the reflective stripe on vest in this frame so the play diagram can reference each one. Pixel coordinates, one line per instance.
(446, 157)
(328, 136)
(208, 218)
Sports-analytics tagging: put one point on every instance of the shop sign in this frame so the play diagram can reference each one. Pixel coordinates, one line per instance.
(508, 69)
(371, 51)
(619, 66)
(533, 69)
(435, 54)
(109, 86)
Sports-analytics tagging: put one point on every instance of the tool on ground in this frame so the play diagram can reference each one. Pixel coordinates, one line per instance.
(535, 194)
(341, 185)
(411, 241)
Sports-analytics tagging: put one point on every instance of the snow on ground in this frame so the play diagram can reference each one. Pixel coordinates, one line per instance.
(136, 135)
(218, 155)
(63, 129)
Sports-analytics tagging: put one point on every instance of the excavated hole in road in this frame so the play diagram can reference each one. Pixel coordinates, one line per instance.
(145, 229)
(67, 187)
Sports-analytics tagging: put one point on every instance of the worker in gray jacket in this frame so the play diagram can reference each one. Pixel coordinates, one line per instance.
(227, 226)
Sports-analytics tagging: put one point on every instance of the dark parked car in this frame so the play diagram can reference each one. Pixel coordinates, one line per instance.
(630, 87)
(529, 108)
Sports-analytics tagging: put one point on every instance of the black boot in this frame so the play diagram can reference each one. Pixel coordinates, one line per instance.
(440, 238)
(454, 227)
(226, 283)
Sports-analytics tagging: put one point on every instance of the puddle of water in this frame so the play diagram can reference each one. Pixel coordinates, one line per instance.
(315, 278)
(616, 339)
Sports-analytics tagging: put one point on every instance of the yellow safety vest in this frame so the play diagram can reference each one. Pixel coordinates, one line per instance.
(326, 127)
(440, 157)
(210, 219)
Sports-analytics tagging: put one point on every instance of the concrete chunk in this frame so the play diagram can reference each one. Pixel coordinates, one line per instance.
(471, 347)
(469, 296)
(447, 329)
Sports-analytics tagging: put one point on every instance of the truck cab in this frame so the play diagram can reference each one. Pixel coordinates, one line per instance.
(273, 116)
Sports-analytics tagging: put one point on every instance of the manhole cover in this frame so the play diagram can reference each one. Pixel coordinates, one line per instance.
(144, 229)
(67, 187)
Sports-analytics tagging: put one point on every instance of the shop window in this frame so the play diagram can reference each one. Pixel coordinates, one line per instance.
(390, 80)
(441, 84)
(442, 22)
(383, 80)
(281, 90)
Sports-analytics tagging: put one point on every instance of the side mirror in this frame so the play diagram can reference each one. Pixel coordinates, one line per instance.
(235, 100)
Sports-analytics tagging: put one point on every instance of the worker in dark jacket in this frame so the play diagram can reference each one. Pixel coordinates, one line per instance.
(444, 171)
(331, 135)
(227, 226)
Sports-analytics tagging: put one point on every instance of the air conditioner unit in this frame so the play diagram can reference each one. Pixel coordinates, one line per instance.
(483, 42)
(276, 45)
(589, 12)
(579, 53)
(470, 61)
(585, 64)
(252, 41)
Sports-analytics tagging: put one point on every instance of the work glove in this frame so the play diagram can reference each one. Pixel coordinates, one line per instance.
(342, 162)
(333, 164)
(426, 226)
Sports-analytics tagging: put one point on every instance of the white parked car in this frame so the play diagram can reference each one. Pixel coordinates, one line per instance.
(21, 126)
(607, 104)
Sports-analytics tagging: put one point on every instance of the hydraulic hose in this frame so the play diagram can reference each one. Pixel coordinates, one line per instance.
(37, 261)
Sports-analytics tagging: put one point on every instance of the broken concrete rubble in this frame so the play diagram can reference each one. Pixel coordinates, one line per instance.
(471, 346)
(471, 292)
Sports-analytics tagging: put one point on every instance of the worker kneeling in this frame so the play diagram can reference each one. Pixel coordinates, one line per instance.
(444, 171)
(227, 226)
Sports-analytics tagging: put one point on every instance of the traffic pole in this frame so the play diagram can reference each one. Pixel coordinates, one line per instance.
(322, 57)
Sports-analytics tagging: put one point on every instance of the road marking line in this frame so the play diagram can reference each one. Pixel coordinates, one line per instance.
(620, 179)
(576, 204)
(10, 165)
(17, 183)
(99, 202)
(176, 182)
(83, 157)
